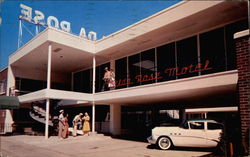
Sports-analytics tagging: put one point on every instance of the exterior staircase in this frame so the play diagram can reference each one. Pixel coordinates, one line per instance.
(39, 114)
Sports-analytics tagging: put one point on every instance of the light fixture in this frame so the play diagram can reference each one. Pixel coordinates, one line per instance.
(57, 50)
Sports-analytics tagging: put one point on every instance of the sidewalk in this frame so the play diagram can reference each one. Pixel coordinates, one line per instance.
(84, 146)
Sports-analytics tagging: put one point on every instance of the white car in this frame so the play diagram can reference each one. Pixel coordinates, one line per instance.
(193, 133)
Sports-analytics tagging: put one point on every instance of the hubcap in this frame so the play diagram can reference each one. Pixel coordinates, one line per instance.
(164, 143)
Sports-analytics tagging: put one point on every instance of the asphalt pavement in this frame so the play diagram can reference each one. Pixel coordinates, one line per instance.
(96, 145)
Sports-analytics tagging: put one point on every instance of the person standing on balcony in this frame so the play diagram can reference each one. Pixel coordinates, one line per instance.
(86, 126)
(106, 79)
(60, 124)
(111, 84)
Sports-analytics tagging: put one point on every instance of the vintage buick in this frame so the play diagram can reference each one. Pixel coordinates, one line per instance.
(192, 133)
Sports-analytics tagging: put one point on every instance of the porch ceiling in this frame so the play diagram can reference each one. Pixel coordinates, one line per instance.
(64, 59)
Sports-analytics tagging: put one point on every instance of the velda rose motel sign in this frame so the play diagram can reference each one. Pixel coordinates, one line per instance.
(52, 21)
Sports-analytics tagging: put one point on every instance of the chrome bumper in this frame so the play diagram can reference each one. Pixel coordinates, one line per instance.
(151, 140)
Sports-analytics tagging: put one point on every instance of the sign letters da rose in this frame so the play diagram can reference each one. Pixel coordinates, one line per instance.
(52, 21)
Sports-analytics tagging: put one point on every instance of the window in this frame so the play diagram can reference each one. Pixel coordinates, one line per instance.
(86, 81)
(121, 73)
(166, 62)
(187, 57)
(184, 125)
(99, 75)
(197, 125)
(212, 51)
(134, 69)
(214, 126)
(82, 81)
(148, 71)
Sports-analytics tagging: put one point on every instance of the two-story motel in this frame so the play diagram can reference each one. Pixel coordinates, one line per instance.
(182, 59)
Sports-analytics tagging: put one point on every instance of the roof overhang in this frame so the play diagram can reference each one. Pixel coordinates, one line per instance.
(65, 49)
(180, 21)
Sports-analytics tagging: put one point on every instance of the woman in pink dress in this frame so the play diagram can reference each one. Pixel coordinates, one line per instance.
(65, 132)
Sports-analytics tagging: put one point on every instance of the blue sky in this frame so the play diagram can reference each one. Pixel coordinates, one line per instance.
(102, 17)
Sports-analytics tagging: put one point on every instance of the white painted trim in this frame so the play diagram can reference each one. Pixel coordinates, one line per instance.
(214, 109)
(55, 94)
(33, 96)
(170, 89)
(241, 34)
(181, 85)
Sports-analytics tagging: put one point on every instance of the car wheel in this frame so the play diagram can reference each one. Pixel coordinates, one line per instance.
(164, 143)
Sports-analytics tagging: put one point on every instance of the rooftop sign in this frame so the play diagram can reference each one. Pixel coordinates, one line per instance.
(52, 21)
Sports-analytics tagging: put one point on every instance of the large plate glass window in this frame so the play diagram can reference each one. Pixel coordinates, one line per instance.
(166, 62)
(212, 51)
(121, 73)
(134, 69)
(187, 58)
(148, 71)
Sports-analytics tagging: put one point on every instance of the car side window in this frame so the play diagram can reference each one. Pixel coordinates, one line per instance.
(197, 125)
(214, 126)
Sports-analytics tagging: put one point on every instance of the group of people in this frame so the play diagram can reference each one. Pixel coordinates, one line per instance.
(78, 121)
(109, 80)
(63, 125)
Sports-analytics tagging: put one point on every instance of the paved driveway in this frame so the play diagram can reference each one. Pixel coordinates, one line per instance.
(85, 146)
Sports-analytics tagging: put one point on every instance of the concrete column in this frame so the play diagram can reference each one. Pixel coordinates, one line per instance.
(182, 115)
(10, 80)
(115, 119)
(49, 67)
(93, 117)
(93, 91)
(48, 87)
(112, 65)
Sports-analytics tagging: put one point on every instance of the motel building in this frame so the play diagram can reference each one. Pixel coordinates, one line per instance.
(187, 61)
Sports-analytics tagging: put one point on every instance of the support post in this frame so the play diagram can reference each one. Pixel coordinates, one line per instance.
(49, 67)
(115, 119)
(47, 119)
(93, 91)
(48, 87)
(10, 81)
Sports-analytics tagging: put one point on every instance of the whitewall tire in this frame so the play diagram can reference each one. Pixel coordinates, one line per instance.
(164, 143)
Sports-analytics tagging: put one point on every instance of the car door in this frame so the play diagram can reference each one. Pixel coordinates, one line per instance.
(195, 136)
(213, 132)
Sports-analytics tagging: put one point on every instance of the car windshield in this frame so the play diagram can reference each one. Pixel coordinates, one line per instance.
(184, 125)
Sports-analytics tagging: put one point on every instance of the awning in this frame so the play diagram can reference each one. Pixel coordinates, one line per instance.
(9, 102)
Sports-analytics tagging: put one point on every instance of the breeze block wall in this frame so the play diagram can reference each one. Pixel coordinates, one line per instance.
(243, 66)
